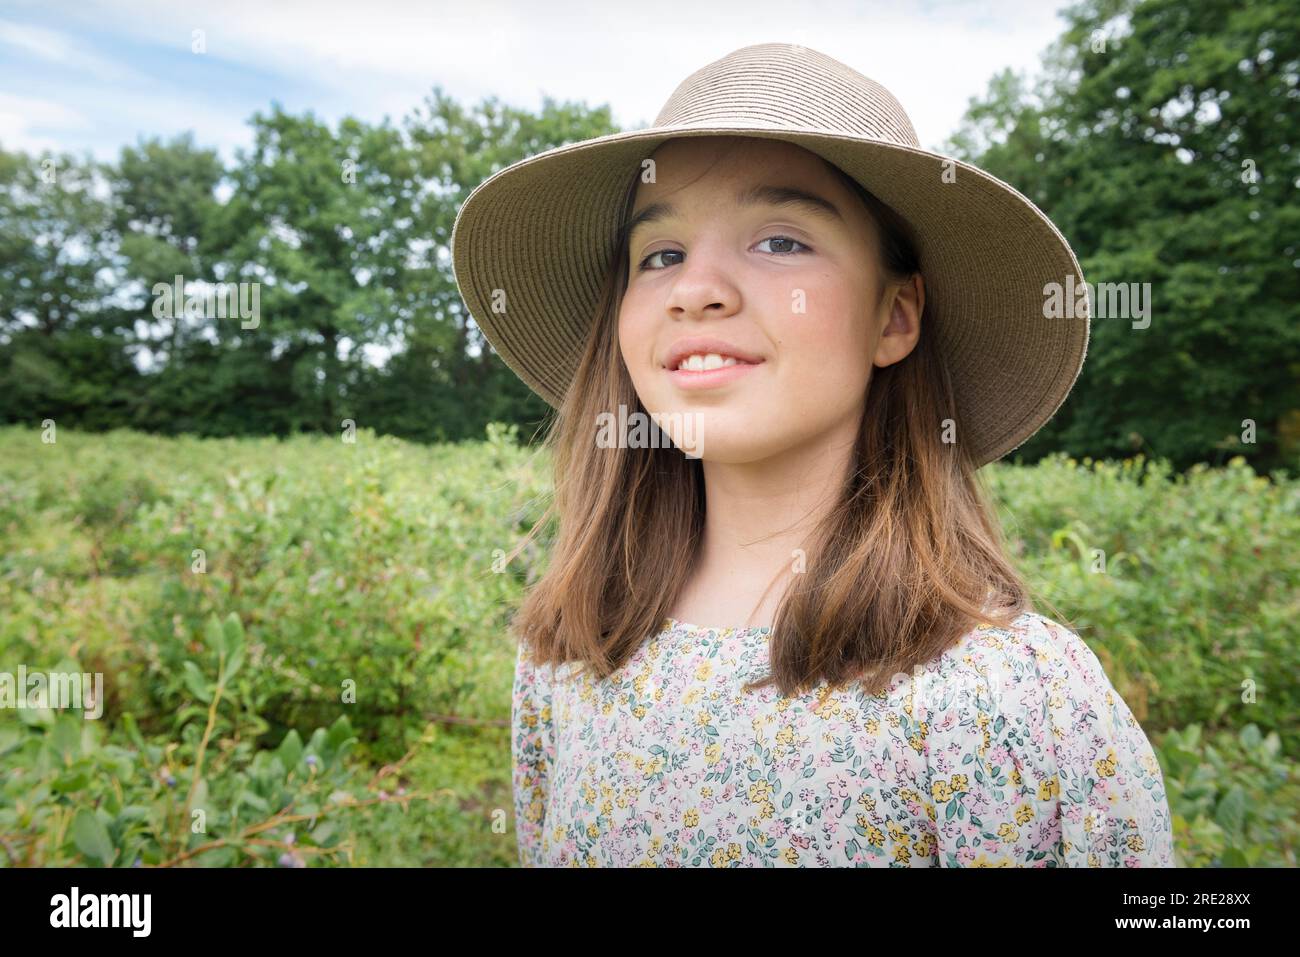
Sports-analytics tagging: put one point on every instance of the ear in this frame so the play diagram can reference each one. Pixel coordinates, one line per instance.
(901, 322)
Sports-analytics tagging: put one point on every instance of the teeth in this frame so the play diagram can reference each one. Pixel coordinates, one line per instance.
(704, 363)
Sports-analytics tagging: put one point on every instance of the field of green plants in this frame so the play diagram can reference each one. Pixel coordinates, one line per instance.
(306, 659)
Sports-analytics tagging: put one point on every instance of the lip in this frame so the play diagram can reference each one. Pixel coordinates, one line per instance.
(704, 345)
(685, 379)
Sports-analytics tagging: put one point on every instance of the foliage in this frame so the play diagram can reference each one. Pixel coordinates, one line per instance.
(378, 566)
(1156, 139)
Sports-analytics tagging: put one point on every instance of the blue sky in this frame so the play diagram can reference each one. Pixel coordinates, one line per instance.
(94, 76)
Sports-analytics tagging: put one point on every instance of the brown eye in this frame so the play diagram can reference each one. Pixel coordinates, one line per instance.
(783, 239)
(661, 252)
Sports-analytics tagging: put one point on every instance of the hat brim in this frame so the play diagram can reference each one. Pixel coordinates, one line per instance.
(545, 228)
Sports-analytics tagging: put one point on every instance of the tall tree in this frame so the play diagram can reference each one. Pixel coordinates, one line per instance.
(1159, 140)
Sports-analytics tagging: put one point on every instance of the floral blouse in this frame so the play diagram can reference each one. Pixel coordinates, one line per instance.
(1009, 749)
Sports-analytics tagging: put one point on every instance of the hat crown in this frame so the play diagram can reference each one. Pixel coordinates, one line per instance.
(786, 85)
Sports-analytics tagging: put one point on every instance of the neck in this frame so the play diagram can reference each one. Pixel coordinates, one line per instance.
(760, 514)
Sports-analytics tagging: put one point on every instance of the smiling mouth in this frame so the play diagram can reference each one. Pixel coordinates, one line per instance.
(694, 375)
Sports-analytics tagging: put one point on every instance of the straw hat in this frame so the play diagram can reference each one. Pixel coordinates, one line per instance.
(544, 230)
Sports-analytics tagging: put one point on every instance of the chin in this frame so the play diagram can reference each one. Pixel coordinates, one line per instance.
(730, 442)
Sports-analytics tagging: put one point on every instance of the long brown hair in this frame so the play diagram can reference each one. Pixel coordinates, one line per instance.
(906, 562)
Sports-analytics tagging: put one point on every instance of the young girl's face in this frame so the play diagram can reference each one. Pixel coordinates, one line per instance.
(794, 289)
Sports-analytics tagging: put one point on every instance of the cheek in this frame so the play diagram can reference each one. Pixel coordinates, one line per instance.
(633, 335)
(828, 347)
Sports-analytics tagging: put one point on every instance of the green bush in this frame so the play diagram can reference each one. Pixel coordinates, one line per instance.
(81, 795)
(363, 584)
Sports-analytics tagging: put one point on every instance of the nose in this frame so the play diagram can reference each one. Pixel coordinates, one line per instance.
(702, 287)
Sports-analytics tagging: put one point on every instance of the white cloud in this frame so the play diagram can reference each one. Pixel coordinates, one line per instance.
(19, 114)
(384, 56)
(56, 47)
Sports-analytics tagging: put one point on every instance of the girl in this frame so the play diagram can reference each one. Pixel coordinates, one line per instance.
(790, 635)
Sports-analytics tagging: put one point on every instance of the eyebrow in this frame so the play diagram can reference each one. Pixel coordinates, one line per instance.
(786, 196)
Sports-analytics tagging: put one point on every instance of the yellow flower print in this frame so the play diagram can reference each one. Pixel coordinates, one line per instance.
(907, 794)
(902, 854)
(706, 791)
(589, 794)
(867, 801)
(1015, 777)
(940, 791)
(759, 792)
(875, 836)
(712, 753)
(827, 708)
(691, 696)
(592, 830)
(791, 856)
(863, 822)
(639, 711)
(1049, 788)
(786, 736)
(691, 818)
(1008, 831)
(983, 860)
(703, 672)
(703, 719)
(733, 852)
(1024, 814)
(528, 720)
(872, 725)
(607, 807)
(960, 782)
(893, 719)
(1135, 843)
(917, 743)
(1106, 765)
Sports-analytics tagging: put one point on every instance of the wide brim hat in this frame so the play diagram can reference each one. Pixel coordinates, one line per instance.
(544, 231)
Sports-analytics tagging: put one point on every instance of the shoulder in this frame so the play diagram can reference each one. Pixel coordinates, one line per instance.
(1030, 742)
(1035, 674)
(1014, 663)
